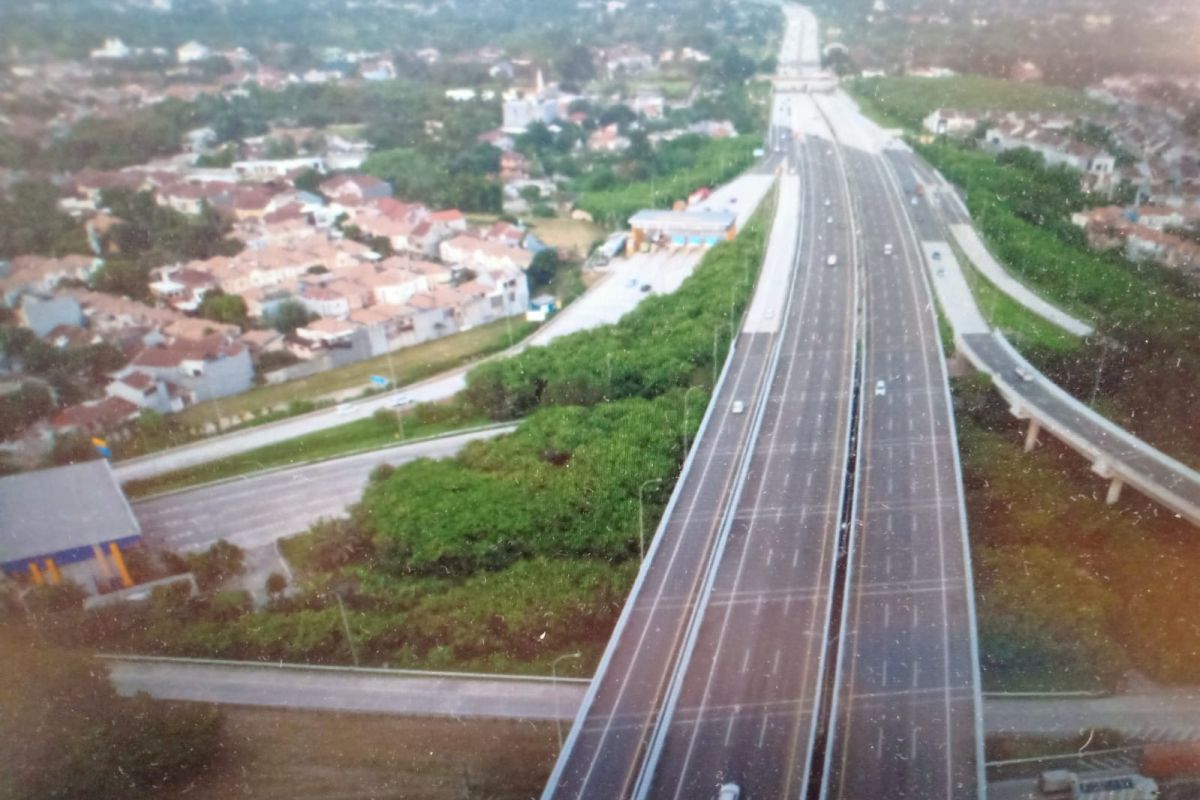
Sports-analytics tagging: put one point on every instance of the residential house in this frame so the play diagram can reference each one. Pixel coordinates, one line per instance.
(478, 254)
(264, 169)
(191, 52)
(203, 368)
(950, 122)
(182, 288)
(262, 341)
(147, 392)
(43, 313)
(513, 166)
(353, 190)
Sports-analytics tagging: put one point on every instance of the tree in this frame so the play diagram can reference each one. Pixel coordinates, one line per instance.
(22, 408)
(217, 564)
(282, 147)
(289, 315)
(227, 308)
(543, 268)
(276, 584)
(575, 65)
(309, 181)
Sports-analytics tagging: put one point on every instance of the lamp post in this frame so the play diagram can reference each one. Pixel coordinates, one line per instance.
(685, 417)
(642, 518)
(346, 627)
(716, 336)
(554, 686)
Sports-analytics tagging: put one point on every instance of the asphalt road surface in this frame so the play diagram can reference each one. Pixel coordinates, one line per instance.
(259, 509)
(745, 704)
(906, 699)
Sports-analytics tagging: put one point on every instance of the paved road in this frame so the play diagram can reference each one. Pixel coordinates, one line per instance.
(605, 750)
(906, 697)
(746, 699)
(1159, 716)
(258, 509)
(1157, 475)
(402, 692)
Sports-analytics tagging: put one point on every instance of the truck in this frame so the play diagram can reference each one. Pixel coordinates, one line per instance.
(1170, 759)
(1121, 787)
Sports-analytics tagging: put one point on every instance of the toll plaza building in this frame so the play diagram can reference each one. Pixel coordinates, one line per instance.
(67, 524)
(680, 229)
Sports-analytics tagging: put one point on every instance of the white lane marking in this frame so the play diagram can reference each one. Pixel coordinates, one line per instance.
(883, 682)
(770, 555)
(729, 730)
(796, 557)
(775, 663)
(887, 614)
(762, 732)
(745, 660)
(879, 743)
(916, 669)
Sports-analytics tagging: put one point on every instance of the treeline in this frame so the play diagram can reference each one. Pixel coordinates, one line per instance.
(676, 172)
(511, 553)
(1149, 315)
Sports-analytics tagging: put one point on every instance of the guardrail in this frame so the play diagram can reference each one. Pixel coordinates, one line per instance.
(285, 666)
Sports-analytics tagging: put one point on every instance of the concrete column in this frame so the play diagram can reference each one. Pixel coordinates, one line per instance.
(1114, 491)
(1031, 434)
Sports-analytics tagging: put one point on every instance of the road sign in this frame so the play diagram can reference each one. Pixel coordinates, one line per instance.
(379, 380)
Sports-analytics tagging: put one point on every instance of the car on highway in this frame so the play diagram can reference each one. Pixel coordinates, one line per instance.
(913, 201)
(829, 220)
(828, 202)
(887, 249)
(344, 408)
(729, 791)
(831, 261)
(1023, 374)
(880, 388)
(645, 287)
(937, 255)
(397, 400)
(738, 407)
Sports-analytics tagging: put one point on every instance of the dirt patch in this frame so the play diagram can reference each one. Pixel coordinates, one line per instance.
(309, 755)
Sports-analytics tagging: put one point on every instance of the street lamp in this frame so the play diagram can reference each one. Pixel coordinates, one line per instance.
(346, 627)
(685, 417)
(642, 518)
(554, 686)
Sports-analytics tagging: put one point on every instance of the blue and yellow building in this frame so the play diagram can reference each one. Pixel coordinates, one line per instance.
(69, 523)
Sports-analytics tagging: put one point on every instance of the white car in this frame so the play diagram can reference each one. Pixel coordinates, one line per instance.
(729, 791)
(913, 200)
(880, 389)
(831, 261)
(738, 407)
(829, 220)
(1024, 374)
(828, 202)
(398, 400)
(887, 249)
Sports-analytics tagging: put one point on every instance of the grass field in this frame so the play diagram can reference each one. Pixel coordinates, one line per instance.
(1019, 324)
(574, 235)
(275, 754)
(410, 364)
(904, 101)
(363, 434)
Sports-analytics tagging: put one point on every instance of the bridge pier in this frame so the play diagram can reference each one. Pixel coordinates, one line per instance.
(1114, 491)
(1031, 434)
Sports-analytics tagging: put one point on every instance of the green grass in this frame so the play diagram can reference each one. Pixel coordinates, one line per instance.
(1071, 593)
(1019, 324)
(363, 434)
(410, 364)
(905, 101)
